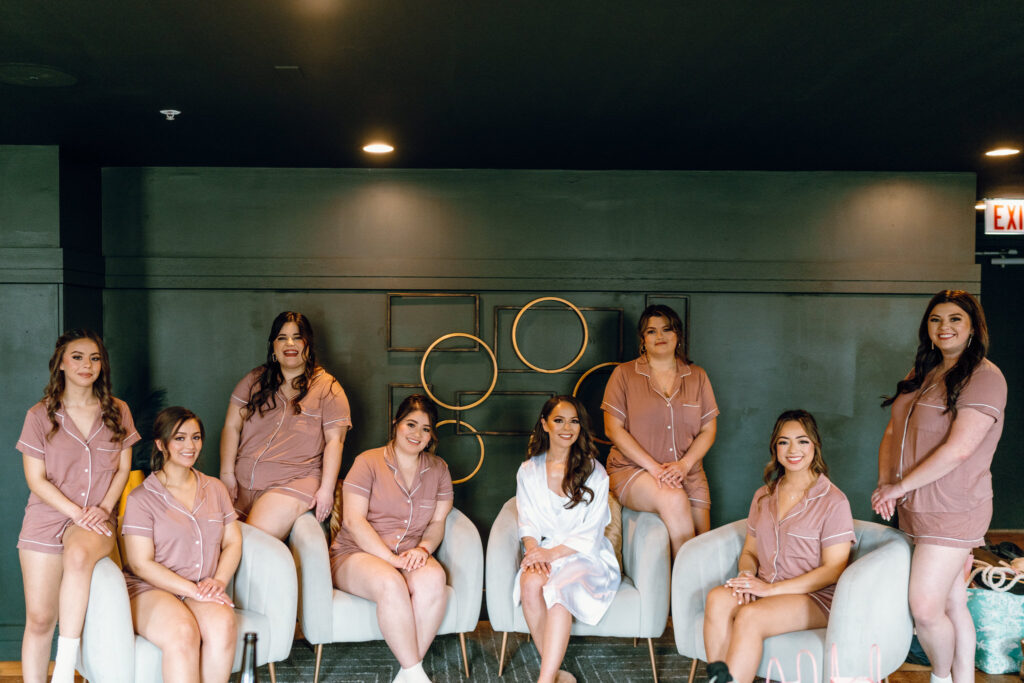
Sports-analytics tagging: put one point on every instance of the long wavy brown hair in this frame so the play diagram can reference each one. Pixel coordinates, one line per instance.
(774, 470)
(928, 357)
(264, 390)
(54, 392)
(674, 322)
(582, 453)
(409, 405)
(165, 425)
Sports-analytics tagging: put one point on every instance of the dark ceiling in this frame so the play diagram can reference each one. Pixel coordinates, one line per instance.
(601, 84)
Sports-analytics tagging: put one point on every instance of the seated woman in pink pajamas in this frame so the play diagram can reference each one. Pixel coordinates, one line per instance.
(799, 533)
(395, 503)
(77, 449)
(280, 449)
(182, 546)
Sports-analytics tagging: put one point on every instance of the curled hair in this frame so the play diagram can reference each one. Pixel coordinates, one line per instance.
(410, 405)
(580, 464)
(165, 426)
(263, 396)
(674, 322)
(774, 471)
(928, 357)
(54, 392)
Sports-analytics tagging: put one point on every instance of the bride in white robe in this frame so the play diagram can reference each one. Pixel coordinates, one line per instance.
(569, 568)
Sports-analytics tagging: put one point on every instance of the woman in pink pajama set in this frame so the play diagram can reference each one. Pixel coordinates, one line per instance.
(280, 449)
(799, 533)
(182, 546)
(933, 466)
(77, 449)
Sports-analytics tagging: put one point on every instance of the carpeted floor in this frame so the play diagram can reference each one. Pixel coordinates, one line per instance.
(592, 660)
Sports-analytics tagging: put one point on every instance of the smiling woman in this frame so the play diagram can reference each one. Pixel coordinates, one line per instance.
(182, 546)
(395, 501)
(933, 468)
(76, 452)
(799, 533)
(280, 449)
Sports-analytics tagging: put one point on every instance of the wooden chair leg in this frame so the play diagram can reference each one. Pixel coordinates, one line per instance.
(316, 669)
(634, 642)
(693, 669)
(465, 659)
(273, 674)
(654, 667)
(501, 659)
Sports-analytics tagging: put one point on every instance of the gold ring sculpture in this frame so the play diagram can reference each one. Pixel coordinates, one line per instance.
(479, 440)
(579, 383)
(515, 343)
(423, 365)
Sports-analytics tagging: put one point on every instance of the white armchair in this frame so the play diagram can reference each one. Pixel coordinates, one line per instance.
(264, 590)
(328, 615)
(869, 607)
(640, 608)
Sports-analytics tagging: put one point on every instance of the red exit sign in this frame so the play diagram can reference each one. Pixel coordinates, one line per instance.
(1004, 216)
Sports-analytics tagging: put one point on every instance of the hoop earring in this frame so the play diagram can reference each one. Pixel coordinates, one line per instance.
(273, 357)
(970, 338)
(933, 346)
(643, 349)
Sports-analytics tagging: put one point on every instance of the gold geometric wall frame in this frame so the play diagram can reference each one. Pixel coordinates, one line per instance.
(500, 310)
(423, 373)
(389, 318)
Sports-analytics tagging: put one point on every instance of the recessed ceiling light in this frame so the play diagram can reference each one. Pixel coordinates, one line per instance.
(378, 148)
(169, 114)
(1002, 152)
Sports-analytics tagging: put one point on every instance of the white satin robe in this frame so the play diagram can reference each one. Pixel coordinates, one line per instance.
(585, 582)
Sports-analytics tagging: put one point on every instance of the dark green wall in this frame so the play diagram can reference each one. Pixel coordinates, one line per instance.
(804, 289)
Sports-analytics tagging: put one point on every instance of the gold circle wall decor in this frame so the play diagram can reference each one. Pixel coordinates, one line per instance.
(515, 342)
(479, 440)
(579, 383)
(423, 365)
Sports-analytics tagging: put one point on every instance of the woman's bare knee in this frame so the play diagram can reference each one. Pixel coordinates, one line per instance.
(531, 587)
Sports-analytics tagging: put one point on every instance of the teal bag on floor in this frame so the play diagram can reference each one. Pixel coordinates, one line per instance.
(999, 623)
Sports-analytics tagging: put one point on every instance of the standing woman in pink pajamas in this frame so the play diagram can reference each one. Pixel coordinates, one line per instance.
(280, 449)
(76, 451)
(933, 466)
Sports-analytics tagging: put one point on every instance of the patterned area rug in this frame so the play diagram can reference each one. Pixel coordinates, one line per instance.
(591, 660)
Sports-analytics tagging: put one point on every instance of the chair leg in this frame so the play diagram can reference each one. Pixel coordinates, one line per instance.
(634, 642)
(693, 669)
(273, 674)
(654, 667)
(465, 659)
(316, 669)
(501, 659)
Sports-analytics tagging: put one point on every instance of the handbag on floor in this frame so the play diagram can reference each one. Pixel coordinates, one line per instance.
(774, 663)
(875, 671)
(999, 623)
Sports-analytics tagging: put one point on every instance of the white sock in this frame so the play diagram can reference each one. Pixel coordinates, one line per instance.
(942, 679)
(67, 657)
(414, 674)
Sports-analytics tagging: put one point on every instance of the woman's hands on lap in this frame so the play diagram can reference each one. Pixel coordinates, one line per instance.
(94, 518)
(212, 590)
(747, 588)
(412, 559)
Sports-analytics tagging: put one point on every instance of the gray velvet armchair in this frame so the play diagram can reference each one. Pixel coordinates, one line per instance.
(640, 608)
(264, 590)
(869, 607)
(328, 615)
